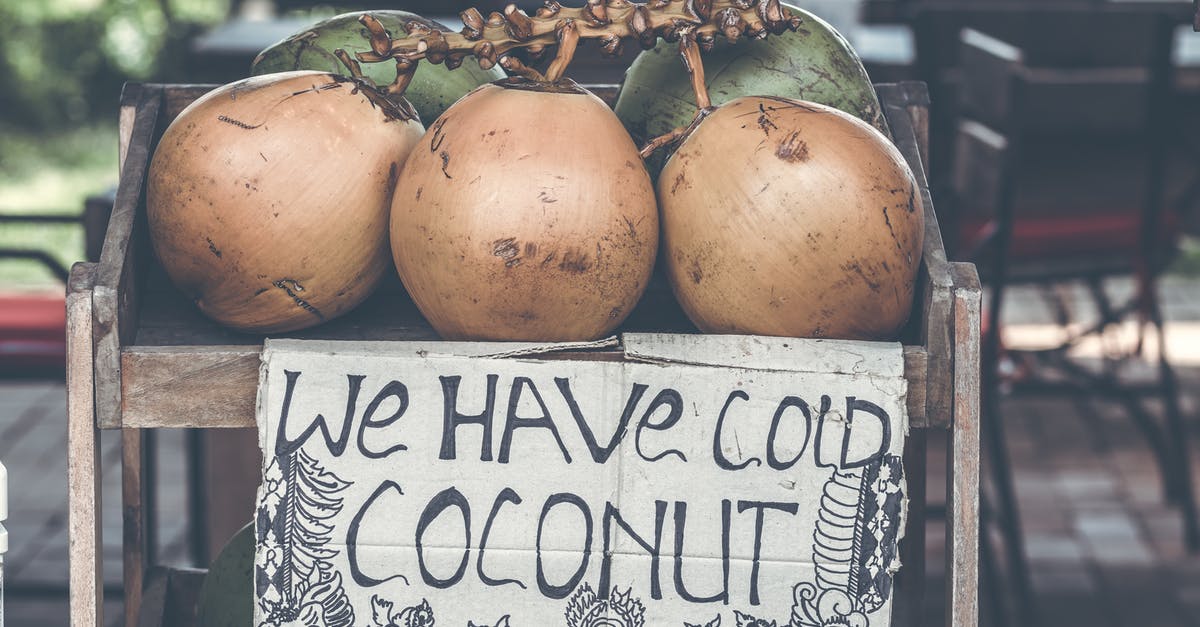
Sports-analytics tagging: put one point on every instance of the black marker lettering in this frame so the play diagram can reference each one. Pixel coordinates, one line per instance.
(284, 446)
(356, 573)
(611, 515)
(450, 497)
(508, 495)
(513, 422)
(601, 455)
(451, 419)
(760, 508)
(561, 592)
(680, 523)
(853, 404)
(672, 399)
(718, 454)
(393, 388)
(790, 401)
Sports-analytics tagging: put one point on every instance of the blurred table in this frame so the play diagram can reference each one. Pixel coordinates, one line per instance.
(875, 11)
(224, 54)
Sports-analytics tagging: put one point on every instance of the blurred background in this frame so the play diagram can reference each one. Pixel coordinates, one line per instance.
(1064, 158)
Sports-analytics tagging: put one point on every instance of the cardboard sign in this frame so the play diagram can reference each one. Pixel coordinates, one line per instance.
(701, 480)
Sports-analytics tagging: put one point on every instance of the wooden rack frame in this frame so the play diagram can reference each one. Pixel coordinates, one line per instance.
(141, 358)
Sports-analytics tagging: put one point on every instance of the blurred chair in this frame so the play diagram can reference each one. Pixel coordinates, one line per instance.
(1074, 35)
(1036, 118)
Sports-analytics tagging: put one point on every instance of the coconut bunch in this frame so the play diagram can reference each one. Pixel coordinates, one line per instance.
(612, 22)
(526, 212)
(779, 216)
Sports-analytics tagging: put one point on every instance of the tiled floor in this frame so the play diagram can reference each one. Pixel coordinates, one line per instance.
(33, 441)
(1103, 547)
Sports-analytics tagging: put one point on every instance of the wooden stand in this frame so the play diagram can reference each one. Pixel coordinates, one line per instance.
(140, 357)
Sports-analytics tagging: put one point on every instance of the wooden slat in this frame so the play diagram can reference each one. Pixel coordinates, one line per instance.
(962, 472)
(902, 103)
(216, 386)
(133, 514)
(916, 371)
(115, 298)
(125, 118)
(176, 98)
(83, 459)
(189, 386)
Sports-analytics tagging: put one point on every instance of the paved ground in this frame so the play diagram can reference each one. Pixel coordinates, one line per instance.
(33, 441)
(1104, 549)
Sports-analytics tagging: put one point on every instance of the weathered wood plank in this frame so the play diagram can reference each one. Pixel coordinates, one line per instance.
(902, 105)
(134, 515)
(115, 299)
(189, 386)
(130, 97)
(176, 98)
(83, 461)
(962, 471)
(916, 371)
(216, 386)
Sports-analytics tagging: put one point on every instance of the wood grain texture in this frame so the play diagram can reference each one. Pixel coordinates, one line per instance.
(189, 386)
(962, 479)
(916, 371)
(83, 460)
(134, 515)
(130, 98)
(176, 98)
(217, 386)
(115, 299)
(903, 104)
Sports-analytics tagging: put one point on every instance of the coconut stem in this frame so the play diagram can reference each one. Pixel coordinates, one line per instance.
(695, 69)
(610, 21)
(568, 40)
(514, 66)
(405, 69)
(690, 53)
(391, 98)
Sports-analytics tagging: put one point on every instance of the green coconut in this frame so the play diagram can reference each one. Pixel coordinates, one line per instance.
(814, 63)
(433, 87)
(227, 596)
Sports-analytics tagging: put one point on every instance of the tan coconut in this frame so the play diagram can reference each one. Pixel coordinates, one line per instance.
(268, 198)
(525, 214)
(790, 218)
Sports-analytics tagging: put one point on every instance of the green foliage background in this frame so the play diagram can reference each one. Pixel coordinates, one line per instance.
(62, 65)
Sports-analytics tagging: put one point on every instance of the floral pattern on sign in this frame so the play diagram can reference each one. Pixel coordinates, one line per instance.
(385, 614)
(295, 583)
(620, 609)
(854, 547)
